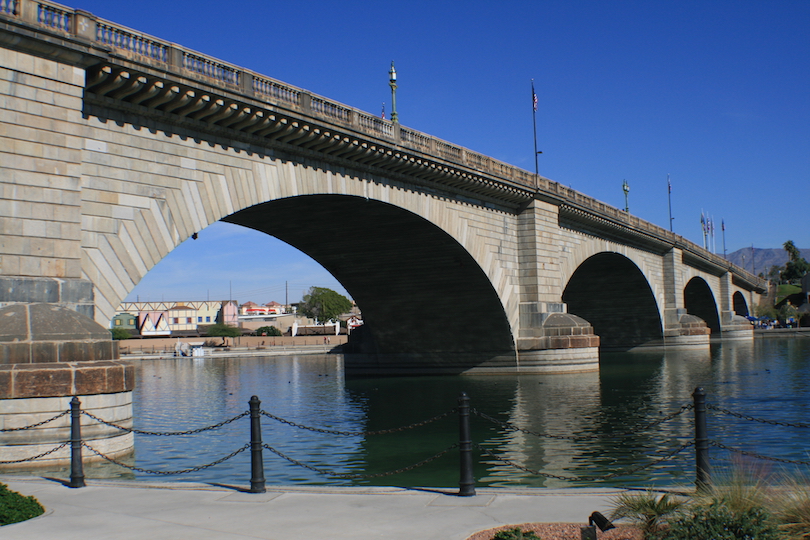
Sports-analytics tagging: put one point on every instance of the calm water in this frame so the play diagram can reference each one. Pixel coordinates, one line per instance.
(767, 379)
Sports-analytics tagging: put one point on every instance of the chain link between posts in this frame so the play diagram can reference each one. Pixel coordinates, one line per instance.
(32, 426)
(625, 472)
(757, 456)
(167, 473)
(579, 438)
(753, 419)
(356, 475)
(51, 451)
(360, 433)
(166, 433)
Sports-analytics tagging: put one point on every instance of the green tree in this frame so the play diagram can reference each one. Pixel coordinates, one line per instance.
(223, 330)
(267, 331)
(120, 333)
(324, 304)
(797, 266)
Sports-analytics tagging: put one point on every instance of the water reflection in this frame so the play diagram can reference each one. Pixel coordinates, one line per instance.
(613, 416)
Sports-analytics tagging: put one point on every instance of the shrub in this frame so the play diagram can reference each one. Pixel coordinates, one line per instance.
(223, 330)
(120, 333)
(267, 331)
(647, 510)
(515, 534)
(717, 522)
(15, 507)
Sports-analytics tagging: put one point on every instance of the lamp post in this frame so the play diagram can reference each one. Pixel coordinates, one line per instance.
(626, 189)
(392, 81)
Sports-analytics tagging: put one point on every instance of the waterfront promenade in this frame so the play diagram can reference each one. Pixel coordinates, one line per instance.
(136, 510)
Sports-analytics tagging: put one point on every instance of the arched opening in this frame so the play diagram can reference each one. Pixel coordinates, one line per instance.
(699, 301)
(609, 291)
(739, 304)
(420, 291)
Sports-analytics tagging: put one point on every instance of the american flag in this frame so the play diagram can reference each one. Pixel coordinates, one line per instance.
(383, 112)
(534, 98)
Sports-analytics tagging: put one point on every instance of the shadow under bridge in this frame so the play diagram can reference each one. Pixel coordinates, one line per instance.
(426, 303)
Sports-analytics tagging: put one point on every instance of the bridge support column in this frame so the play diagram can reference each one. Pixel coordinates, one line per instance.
(553, 341)
(50, 352)
(549, 339)
(680, 328)
(732, 326)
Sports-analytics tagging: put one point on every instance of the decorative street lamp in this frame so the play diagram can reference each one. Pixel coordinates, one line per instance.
(626, 189)
(392, 80)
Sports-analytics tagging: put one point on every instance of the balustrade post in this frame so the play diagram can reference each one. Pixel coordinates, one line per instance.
(256, 460)
(76, 466)
(466, 482)
(702, 474)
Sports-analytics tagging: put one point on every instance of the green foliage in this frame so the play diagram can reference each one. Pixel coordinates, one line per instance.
(515, 534)
(120, 333)
(223, 330)
(15, 507)
(717, 522)
(763, 310)
(267, 331)
(324, 304)
(797, 266)
(787, 311)
(647, 510)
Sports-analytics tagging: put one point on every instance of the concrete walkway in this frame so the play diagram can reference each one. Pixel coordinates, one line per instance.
(156, 511)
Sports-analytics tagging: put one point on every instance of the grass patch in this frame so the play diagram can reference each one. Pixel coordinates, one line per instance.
(15, 507)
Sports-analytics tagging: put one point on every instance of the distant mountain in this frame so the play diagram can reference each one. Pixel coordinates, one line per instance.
(764, 258)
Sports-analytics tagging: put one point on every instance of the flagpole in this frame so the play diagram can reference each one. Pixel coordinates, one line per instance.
(669, 199)
(703, 227)
(534, 125)
(723, 228)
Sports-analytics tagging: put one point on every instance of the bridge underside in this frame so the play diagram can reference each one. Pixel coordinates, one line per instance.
(612, 294)
(427, 305)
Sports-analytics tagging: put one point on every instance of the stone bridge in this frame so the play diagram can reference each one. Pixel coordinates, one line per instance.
(117, 146)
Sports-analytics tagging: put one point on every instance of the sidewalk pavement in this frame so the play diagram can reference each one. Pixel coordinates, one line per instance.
(155, 511)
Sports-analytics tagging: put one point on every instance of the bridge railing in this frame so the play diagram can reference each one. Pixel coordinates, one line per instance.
(156, 53)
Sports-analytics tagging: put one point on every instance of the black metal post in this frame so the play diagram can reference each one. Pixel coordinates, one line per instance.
(256, 461)
(76, 467)
(466, 482)
(702, 474)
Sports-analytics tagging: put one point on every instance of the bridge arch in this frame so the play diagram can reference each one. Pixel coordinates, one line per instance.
(699, 300)
(610, 291)
(419, 289)
(739, 304)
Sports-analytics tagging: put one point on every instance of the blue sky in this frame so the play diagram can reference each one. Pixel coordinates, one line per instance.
(714, 93)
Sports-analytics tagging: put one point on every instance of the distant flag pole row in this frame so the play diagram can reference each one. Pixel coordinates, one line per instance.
(708, 225)
(534, 124)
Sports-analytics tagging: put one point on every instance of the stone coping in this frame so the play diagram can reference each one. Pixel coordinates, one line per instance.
(65, 379)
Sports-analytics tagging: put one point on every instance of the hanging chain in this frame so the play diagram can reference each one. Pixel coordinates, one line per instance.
(579, 438)
(758, 456)
(51, 451)
(378, 432)
(166, 473)
(752, 419)
(625, 472)
(352, 475)
(32, 426)
(166, 433)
